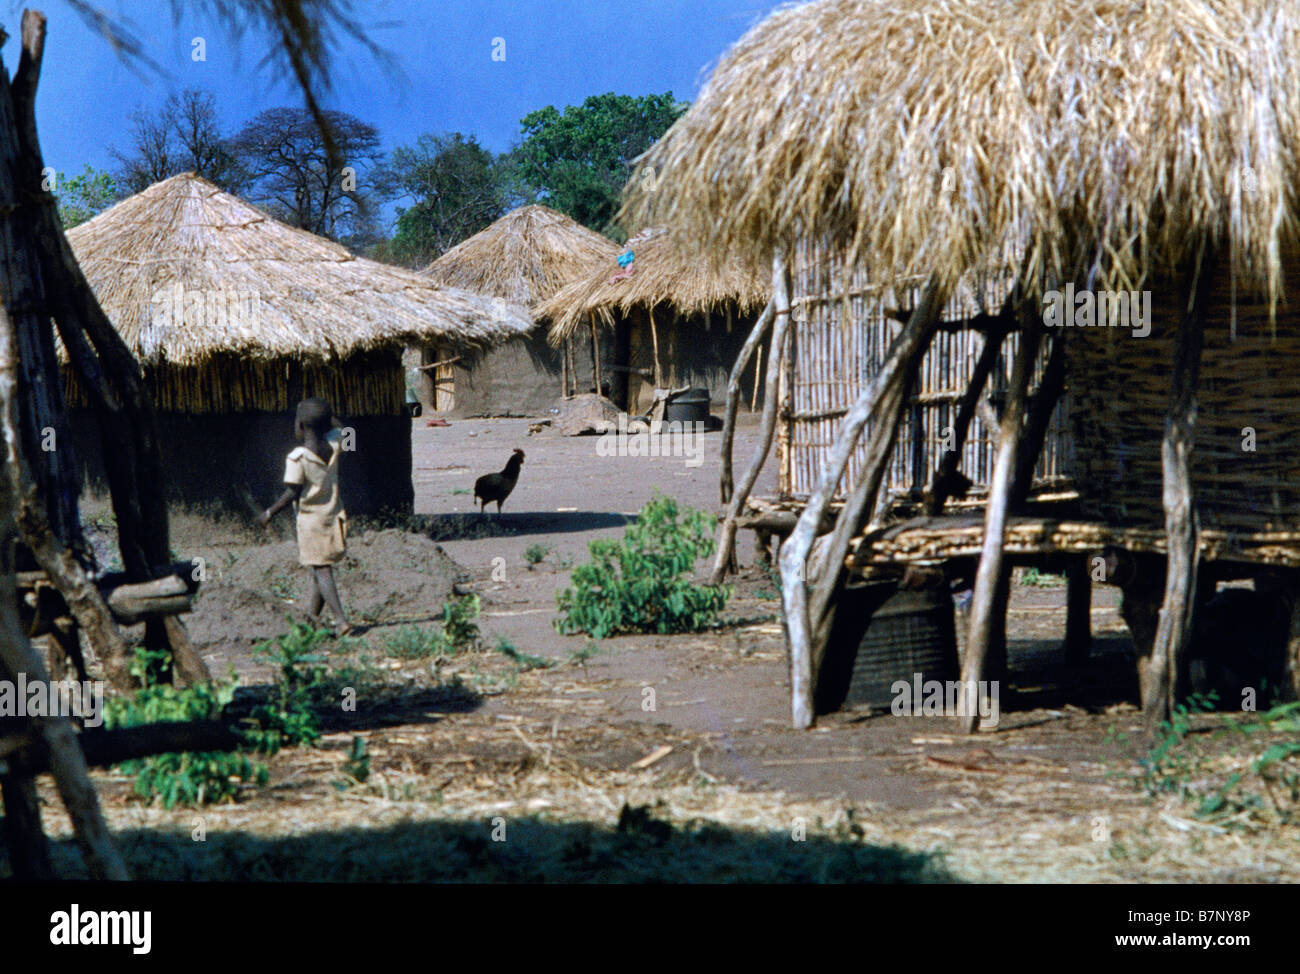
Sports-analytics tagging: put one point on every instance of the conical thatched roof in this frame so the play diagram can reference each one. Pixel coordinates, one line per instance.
(524, 257)
(661, 274)
(1086, 135)
(185, 272)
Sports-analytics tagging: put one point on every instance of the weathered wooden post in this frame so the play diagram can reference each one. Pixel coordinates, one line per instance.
(1182, 530)
(881, 402)
(780, 305)
(991, 588)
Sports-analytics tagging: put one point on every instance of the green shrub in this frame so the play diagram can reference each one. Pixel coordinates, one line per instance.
(535, 554)
(459, 627)
(179, 778)
(410, 642)
(642, 583)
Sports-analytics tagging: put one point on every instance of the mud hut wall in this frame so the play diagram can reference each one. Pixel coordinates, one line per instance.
(1246, 462)
(221, 463)
(840, 337)
(697, 351)
(225, 430)
(524, 376)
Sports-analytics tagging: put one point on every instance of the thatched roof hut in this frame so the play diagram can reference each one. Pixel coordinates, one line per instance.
(525, 258)
(1146, 148)
(232, 313)
(662, 301)
(662, 276)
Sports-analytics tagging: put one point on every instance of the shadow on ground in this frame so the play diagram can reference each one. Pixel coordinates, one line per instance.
(641, 849)
(462, 527)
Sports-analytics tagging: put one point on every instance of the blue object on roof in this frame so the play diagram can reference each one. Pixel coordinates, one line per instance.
(625, 259)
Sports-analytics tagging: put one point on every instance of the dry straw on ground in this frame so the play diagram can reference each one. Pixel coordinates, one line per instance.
(662, 273)
(187, 272)
(944, 135)
(524, 257)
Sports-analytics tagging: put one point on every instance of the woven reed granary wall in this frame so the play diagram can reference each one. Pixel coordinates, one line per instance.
(1249, 380)
(841, 335)
(225, 428)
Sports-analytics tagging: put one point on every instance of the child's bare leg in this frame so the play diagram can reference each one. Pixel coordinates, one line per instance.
(325, 582)
(315, 601)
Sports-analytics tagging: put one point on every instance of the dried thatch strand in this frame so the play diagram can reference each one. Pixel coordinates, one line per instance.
(663, 274)
(187, 272)
(525, 257)
(1046, 136)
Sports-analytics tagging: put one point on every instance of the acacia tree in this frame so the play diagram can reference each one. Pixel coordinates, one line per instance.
(184, 135)
(288, 164)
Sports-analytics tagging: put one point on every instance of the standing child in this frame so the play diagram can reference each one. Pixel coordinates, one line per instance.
(311, 477)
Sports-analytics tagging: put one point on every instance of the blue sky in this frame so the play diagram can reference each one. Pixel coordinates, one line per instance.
(556, 52)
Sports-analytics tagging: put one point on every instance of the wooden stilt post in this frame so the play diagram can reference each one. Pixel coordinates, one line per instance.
(1293, 635)
(654, 346)
(987, 598)
(754, 343)
(880, 401)
(1078, 612)
(595, 357)
(945, 476)
(1174, 630)
(29, 851)
(780, 306)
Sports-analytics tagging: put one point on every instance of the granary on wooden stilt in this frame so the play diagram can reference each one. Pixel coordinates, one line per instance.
(1129, 169)
(235, 317)
(525, 258)
(676, 322)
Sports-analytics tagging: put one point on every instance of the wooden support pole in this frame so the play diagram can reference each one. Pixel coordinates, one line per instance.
(654, 343)
(1039, 420)
(83, 598)
(758, 370)
(1174, 629)
(16, 653)
(943, 484)
(987, 598)
(887, 388)
(595, 356)
(1078, 612)
(29, 850)
(780, 329)
(754, 343)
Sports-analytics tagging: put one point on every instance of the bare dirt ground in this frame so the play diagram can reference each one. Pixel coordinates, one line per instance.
(555, 752)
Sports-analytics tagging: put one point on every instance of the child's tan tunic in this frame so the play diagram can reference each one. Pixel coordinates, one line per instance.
(322, 522)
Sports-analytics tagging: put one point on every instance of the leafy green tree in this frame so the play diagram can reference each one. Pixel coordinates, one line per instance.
(456, 188)
(84, 196)
(580, 159)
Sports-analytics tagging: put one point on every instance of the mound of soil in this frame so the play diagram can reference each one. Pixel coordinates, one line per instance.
(388, 576)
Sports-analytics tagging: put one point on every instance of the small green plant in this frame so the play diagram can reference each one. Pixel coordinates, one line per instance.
(580, 656)
(179, 778)
(288, 720)
(535, 554)
(523, 661)
(1039, 579)
(410, 642)
(279, 584)
(459, 625)
(357, 766)
(642, 583)
(1244, 778)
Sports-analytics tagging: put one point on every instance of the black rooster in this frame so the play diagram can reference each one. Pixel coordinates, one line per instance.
(497, 486)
